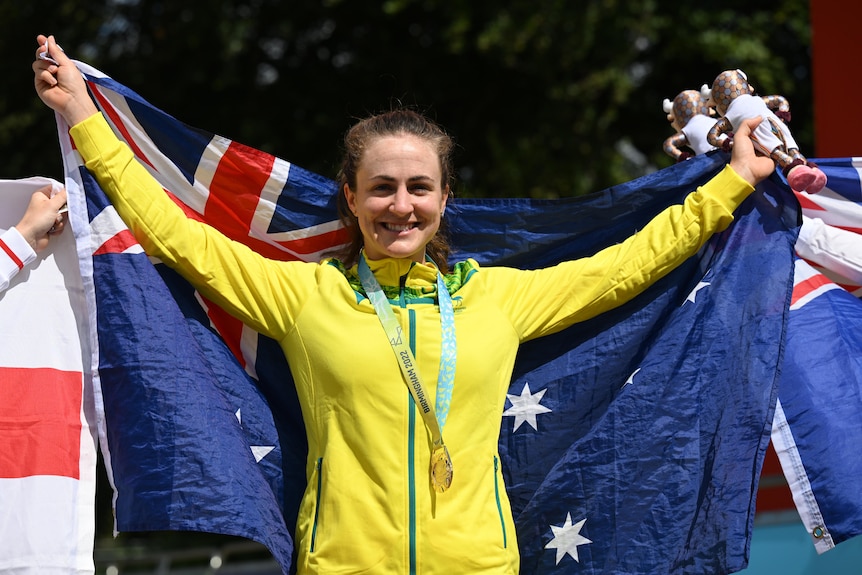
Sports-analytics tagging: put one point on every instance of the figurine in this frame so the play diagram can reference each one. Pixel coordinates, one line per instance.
(692, 119)
(735, 101)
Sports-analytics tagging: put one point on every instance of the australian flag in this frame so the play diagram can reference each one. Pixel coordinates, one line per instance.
(631, 443)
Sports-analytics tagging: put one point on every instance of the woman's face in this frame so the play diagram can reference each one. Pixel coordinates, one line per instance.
(398, 199)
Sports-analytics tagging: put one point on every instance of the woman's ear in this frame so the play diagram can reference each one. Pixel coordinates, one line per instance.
(350, 197)
(443, 202)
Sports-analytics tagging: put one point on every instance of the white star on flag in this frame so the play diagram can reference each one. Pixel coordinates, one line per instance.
(631, 378)
(691, 297)
(526, 407)
(258, 451)
(566, 539)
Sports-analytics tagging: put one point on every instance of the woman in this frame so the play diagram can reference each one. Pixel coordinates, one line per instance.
(386, 493)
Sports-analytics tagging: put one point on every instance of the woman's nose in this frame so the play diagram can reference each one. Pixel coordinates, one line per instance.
(401, 201)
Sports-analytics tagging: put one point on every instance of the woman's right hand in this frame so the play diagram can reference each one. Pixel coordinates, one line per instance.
(61, 86)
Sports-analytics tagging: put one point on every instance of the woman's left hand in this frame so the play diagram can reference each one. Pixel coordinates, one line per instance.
(744, 160)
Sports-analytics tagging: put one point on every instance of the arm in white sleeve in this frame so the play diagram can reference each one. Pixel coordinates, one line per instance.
(15, 253)
(831, 248)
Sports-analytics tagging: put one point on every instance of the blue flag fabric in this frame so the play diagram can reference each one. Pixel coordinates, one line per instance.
(631, 443)
(821, 397)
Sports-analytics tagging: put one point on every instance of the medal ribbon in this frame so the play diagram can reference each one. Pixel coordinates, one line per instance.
(441, 463)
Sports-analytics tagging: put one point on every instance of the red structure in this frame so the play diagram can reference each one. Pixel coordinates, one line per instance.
(773, 493)
(836, 63)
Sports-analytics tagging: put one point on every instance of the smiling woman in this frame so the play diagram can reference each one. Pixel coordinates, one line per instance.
(398, 199)
(394, 183)
(385, 493)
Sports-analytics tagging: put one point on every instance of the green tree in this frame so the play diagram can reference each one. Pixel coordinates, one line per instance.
(546, 98)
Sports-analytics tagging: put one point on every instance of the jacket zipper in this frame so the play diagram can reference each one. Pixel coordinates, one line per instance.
(411, 436)
(412, 453)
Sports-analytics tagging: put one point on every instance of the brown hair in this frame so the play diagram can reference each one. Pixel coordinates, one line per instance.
(396, 122)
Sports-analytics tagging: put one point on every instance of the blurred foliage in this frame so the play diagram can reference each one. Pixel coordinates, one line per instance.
(546, 98)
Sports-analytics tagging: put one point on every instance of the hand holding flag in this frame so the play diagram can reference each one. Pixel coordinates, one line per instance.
(59, 83)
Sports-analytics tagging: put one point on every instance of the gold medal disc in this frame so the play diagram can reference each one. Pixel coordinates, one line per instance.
(441, 469)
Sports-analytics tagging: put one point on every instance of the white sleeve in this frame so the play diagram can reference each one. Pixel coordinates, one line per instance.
(834, 249)
(15, 253)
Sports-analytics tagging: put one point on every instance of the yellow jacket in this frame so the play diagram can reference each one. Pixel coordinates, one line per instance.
(369, 506)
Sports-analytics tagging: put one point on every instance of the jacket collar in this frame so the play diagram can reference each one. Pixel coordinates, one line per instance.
(390, 271)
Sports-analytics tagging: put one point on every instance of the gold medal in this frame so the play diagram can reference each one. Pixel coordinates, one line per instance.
(441, 469)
